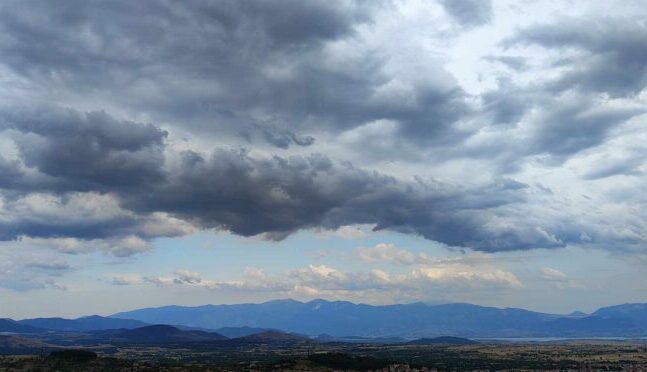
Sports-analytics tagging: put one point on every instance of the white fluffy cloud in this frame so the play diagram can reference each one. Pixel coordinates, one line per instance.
(558, 279)
(326, 281)
(391, 253)
(31, 268)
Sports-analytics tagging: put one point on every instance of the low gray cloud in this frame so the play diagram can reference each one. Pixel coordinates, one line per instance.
(292, 88)
(507, 104)
(231, 190)
(515, 63)
(86, 216)
(24, 270)
(530, 121)
(10, 172)
(266, 71)
(469, 12)
(278, 196)
(568, 109)
(248, 194)
(628, 166)
(574, 125)
(614, 53)
(88, 150)
(198, 61)
(49, 266)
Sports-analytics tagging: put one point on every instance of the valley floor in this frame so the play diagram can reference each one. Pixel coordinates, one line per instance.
(580, 356)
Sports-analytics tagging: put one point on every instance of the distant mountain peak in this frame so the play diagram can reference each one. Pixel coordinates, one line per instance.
(160, 333)
(447, 340)
(12, 326)
(342, 318)
(274, 337)
(94, 316)
(165, 328)
(86, 323)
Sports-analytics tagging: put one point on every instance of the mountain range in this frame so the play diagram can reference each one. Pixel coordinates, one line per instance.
(416, 320)
(86, 323)
(20, 345)
(340, 321)
(152, 335)
(12, 326)
(157, 334)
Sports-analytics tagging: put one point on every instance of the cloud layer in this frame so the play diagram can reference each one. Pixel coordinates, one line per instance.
(428, 279)
(126, 123)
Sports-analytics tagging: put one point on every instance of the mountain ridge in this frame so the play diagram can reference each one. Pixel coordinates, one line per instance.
(82, 324)
(414, 320)
(158, 333)
(12, 326)
(346, 320)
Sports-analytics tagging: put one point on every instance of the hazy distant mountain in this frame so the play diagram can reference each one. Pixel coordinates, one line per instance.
(446, 340)
(12, 345)
(635, 312)
(417, 320)
(594, 326)
(361, 340)
(87, 323)
(234, 332)
(11, 326)
(577, 314)
(341, 318)
(271, 337)
(157, 334)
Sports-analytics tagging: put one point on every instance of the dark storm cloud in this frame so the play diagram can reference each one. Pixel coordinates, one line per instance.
(261, 69)
(281, 73)
(530, 121)
(613, 53)
(278, 196)
(14, 176)
(469, 12)
(281, 138)
(85, 37)
(628, 166)
(507, 104)
(70, 167)
(87, 151)
(191, 61)
(570, 127)
(515, 63)
(565, 115)
(231, 190)
(10, 173)
(570, 112)
(71, 215)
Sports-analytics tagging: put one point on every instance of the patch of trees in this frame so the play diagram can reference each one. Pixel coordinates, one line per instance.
(345, 361)
(73, 356)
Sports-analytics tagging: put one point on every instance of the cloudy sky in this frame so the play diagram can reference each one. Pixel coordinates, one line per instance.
(163, 152)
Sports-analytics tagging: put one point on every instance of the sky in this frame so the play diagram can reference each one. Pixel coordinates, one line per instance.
(385, 151)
